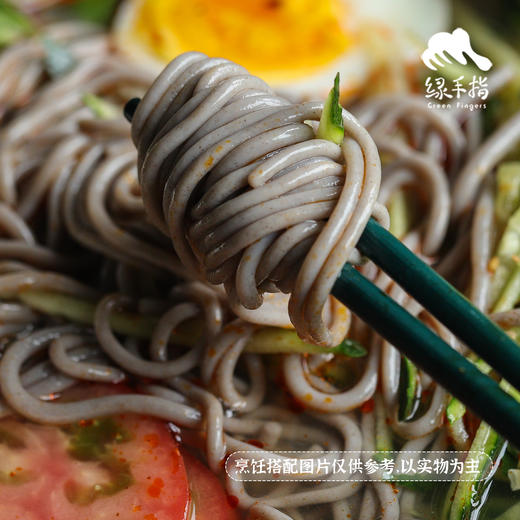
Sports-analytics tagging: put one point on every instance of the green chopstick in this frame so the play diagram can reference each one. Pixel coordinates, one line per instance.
(444, 302)
(445, 365)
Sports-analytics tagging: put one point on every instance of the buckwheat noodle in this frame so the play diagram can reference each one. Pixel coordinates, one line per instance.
(233, 215)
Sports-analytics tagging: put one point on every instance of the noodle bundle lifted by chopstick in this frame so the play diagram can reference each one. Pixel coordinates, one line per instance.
(94, 292)
(249, 196)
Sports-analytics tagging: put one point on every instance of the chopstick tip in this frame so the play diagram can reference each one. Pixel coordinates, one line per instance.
(130, 108)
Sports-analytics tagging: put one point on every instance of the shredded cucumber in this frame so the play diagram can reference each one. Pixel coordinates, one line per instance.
(101, 108)
(410, 390)
(274, 340)
(507, 216)
(96, 11)
(331, 121)
(513, 513)
(82, 311)
(383, 441)
(401, 210)
(266, 340)
(455, 410)
(485, 38)
(507, 197)
(514, 478)
(13, 24)
(505, 284)
(505, 294)
(487, 447)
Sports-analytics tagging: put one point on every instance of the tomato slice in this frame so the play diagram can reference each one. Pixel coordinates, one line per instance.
(209, 499)
(141, 477)
(114, 468)
(117, 468)
(24, 468)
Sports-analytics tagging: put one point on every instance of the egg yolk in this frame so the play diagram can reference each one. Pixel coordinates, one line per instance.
(275, 39)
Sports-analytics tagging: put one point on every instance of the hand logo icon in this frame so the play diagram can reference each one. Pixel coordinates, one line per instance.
(456, 44)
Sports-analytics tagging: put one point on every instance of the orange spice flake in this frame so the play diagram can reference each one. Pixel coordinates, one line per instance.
(295, 405)
(255, 442)
(493, 264)
(368, 406)
(232, 501)
(152, 439)
(155, 488)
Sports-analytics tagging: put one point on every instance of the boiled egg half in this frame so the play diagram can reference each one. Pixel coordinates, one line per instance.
(297, 46)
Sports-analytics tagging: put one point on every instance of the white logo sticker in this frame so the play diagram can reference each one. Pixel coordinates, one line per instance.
(464, 91)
